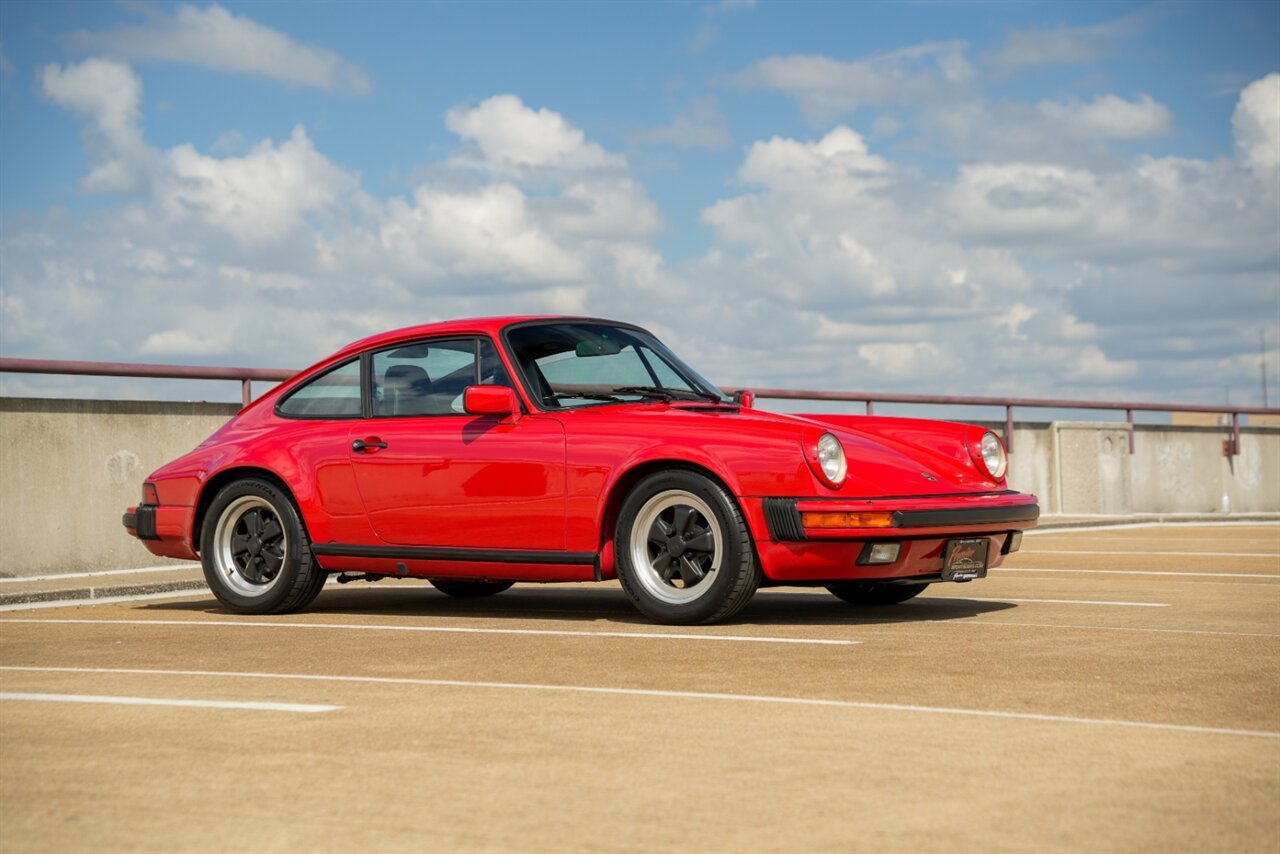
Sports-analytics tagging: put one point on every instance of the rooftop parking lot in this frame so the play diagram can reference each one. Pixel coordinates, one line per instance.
(1109, 689)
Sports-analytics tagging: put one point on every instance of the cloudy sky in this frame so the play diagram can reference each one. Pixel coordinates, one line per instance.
(1060, 200)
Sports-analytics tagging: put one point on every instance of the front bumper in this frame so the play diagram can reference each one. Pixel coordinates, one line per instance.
(922, 526)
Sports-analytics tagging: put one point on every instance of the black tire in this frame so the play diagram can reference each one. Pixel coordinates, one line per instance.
(251, 567)
(870, 593)
(713, 541)
(469, 589)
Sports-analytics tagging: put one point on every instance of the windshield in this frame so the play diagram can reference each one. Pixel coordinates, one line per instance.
(581, 363)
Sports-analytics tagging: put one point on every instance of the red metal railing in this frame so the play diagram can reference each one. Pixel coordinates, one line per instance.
(246, 376)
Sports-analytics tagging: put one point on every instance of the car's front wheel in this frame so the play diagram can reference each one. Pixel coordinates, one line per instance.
(871, 593)
(255, 550)
(683, 551)
(469, 589)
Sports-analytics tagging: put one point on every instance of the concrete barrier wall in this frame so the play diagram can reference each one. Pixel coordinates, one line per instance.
(1085, 468)
(69, 468)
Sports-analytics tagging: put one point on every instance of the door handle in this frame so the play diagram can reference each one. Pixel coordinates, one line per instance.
(361, 445)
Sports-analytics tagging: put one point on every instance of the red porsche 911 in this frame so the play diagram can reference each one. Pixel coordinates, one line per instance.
(479, 453)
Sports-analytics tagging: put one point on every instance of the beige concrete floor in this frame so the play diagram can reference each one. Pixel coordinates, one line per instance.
(1071, 702)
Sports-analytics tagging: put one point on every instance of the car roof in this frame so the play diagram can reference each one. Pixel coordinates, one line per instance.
(471, 325)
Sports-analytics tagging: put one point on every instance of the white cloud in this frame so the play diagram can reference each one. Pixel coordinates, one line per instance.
(1109, 117)
(260, 257)
(489, 233)
(827, 87)
(110, 95)
(1063, 45)
(832, 263)
(1256, 122)
(259, 197)
(512, 139)
(840, 161)
(900, 360)
(699, 126)
(1067, 132)
(1090, 364)
(216, 38)
(183, 342)
(1043, 273)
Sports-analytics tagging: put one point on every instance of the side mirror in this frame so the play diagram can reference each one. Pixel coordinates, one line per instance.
(492, 400)
(744, 398)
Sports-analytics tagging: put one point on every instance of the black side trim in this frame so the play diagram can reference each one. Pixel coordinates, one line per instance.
(783, 520)
(457, 554)
(965, 516)
(143, 521)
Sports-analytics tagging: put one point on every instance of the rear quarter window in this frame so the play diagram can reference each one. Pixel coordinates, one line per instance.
(333, 394)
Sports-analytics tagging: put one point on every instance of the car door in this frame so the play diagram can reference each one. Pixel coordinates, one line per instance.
(432, 475)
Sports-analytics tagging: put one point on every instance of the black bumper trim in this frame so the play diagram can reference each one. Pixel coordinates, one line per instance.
(966, 516)
(455, 554)
(142, 521)
(786, 525)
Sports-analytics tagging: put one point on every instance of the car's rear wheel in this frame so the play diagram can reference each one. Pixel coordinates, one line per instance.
(683, 551)
(871, 593)
(469, 589)
(255, 550)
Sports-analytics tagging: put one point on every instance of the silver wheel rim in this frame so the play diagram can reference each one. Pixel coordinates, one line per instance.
(676, 547)
(249, 546)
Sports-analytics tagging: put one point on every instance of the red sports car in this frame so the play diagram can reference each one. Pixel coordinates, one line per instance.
(479, 453)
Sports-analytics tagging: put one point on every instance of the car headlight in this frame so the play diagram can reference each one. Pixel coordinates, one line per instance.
(993, 456)
(831, 459)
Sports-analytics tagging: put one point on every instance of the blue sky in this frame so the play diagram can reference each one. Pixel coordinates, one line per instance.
(1043, 199)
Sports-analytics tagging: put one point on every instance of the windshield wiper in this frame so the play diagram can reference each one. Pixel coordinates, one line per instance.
(668, 393)
(582, 395)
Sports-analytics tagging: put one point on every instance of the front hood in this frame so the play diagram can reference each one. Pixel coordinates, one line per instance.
(886, 456)
(924, 457)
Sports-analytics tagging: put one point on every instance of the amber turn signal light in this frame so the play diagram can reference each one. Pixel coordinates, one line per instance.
(847, 520)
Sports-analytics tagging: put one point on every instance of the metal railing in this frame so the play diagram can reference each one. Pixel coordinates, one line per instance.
(246, 376)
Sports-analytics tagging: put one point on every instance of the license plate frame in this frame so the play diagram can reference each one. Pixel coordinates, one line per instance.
(966, 559)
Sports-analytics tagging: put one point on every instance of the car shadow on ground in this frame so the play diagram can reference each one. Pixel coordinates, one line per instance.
(579, 604)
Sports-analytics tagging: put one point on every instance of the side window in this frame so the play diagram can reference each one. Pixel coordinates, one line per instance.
(333, 394)
(429, 377)
(492, 371)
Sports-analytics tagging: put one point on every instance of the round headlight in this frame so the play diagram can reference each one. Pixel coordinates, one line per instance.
(993, 456)
(831, 459)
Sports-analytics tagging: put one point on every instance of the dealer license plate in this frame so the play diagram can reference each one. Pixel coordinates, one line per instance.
(965, 560)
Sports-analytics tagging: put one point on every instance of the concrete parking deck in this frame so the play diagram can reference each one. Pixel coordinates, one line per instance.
(1109, 689)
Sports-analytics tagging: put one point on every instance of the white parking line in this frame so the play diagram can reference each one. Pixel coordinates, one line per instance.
(104, 600)
(1144, 552)
(1140, 539)
(1139, 572)
(301, 708)
(1171, 524)
(1002, 624)
(254, 624)
(100, 572)
(681, 695)
(1047, 601)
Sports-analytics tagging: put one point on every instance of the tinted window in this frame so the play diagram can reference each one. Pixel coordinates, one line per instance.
(429, 377)
(333, 394)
